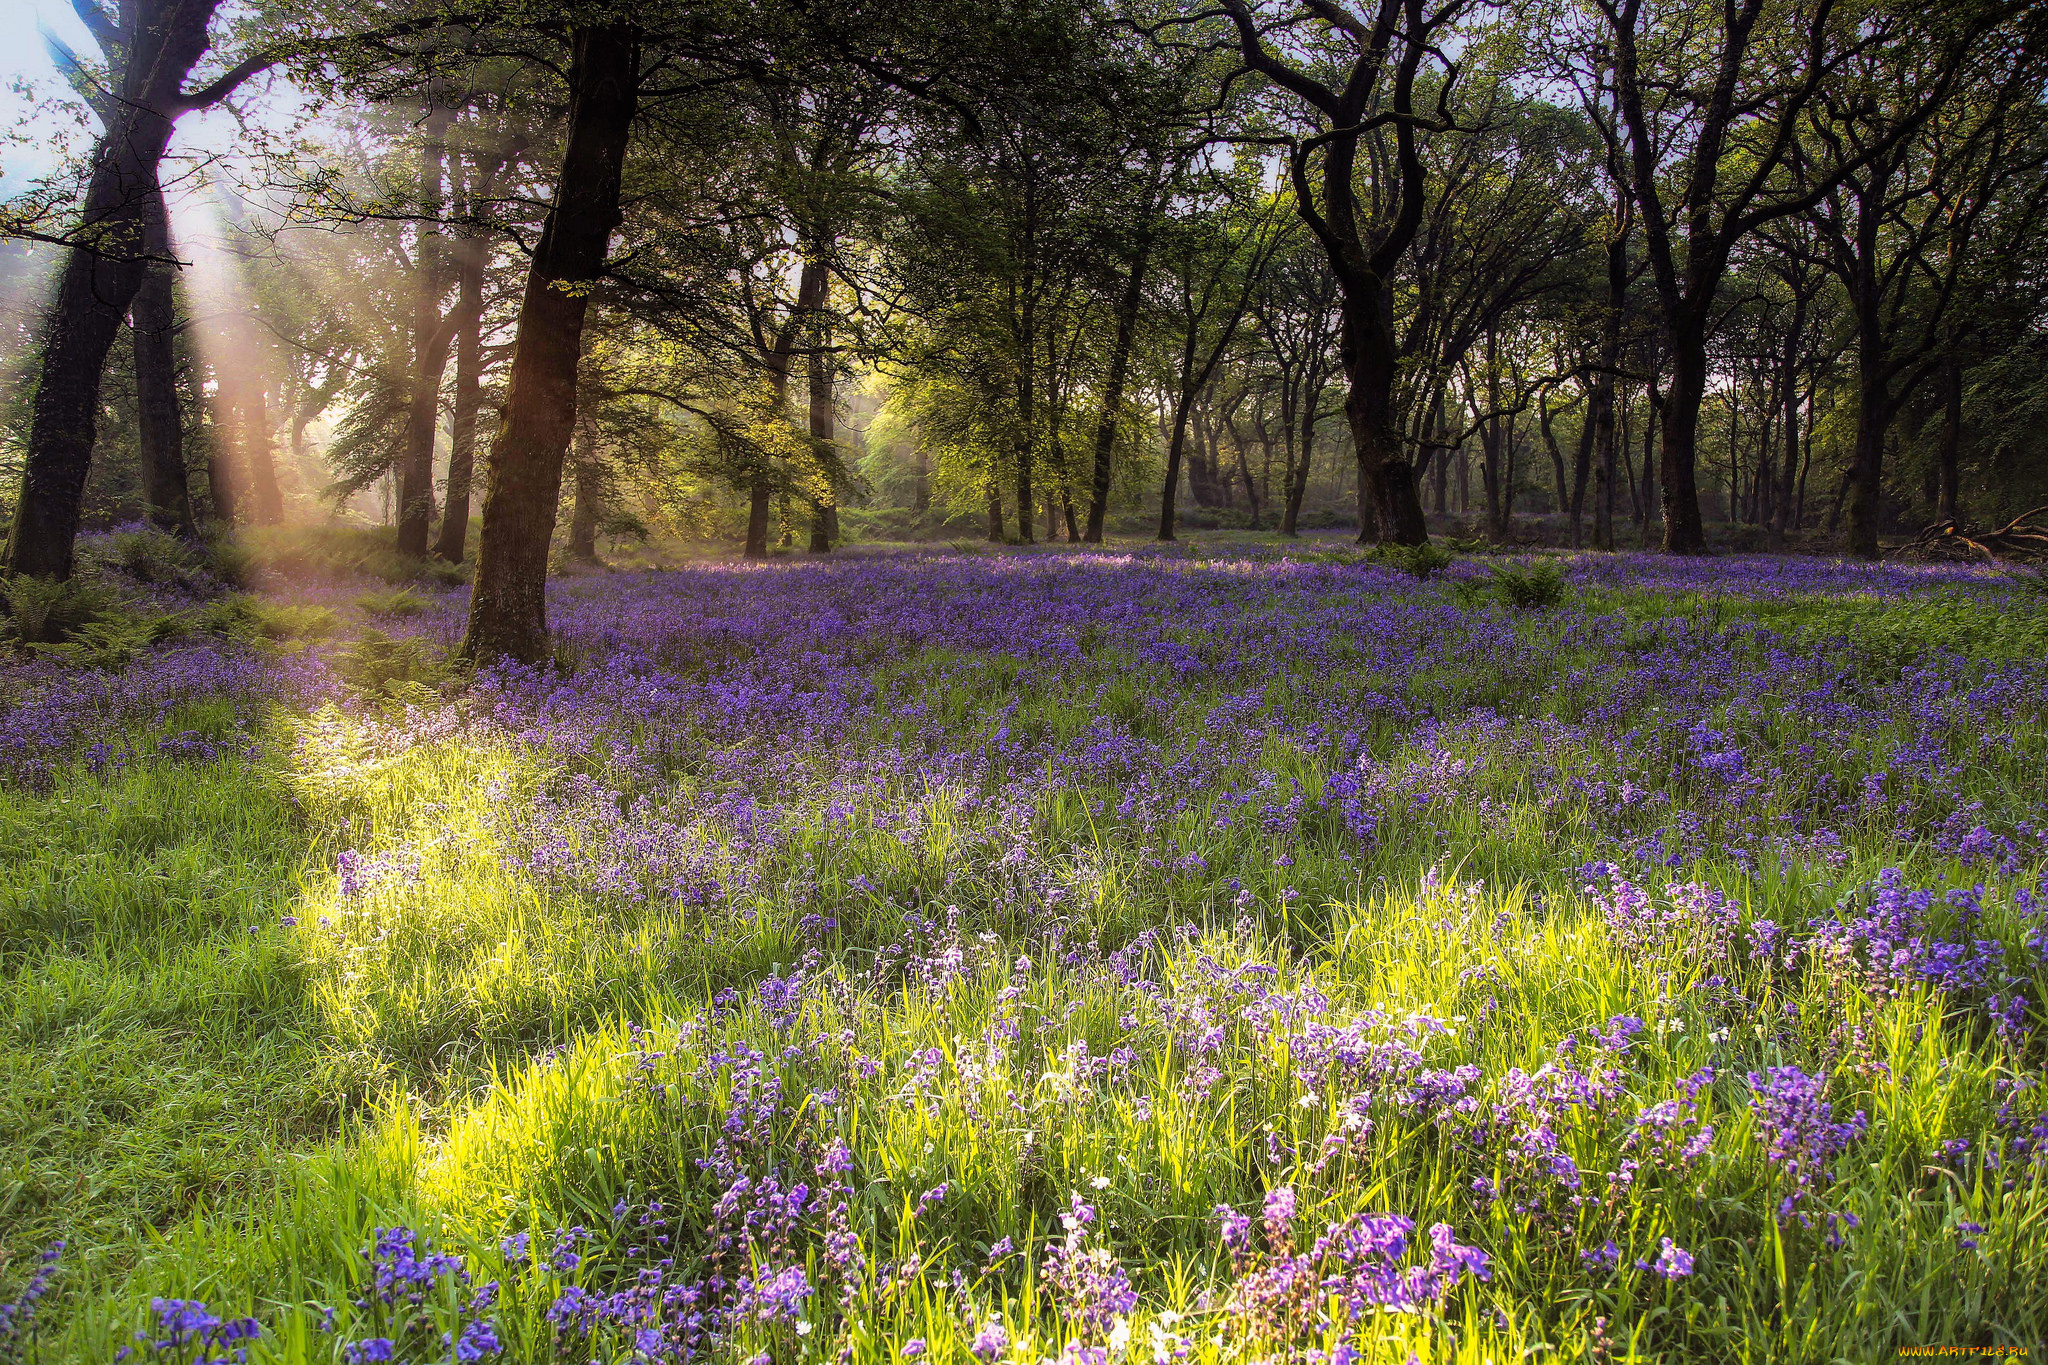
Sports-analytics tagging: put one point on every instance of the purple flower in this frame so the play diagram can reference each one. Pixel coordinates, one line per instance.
(990, 1341)
(479, 1339)
(1279, 1218)
(1800, 1127)
(1672, 1261)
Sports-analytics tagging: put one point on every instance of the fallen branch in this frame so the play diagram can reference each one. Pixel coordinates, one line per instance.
(2023, 540)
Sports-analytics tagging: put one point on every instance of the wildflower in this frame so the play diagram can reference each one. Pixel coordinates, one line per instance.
(1672, 1262)
(1800, 1126)
(479, 1339)
(1279, 1217)
(990, 1341)
(16, 1317)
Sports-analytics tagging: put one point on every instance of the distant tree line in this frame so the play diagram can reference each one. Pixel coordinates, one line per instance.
(779, 270)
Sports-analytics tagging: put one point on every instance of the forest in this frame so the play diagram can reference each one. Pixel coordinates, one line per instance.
(1188, 681)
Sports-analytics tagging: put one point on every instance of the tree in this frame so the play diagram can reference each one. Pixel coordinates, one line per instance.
(1709, 101)
(151, 49)
(1365, 235)
(1906, 227)
(1214, 258)
(508, 607)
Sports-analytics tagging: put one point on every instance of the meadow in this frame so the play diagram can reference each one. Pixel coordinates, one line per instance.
(1214, 954)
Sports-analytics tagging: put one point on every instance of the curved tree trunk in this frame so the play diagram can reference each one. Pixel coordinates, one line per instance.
(430, 337)
(508, 608)
(1113, 389)
(160, 42)
(160, 432)
(1176, 447)
(469, 382)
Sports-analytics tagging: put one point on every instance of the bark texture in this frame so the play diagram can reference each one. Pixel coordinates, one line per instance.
(100, 278)
(508, 607)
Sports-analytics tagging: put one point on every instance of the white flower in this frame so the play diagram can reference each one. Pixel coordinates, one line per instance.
(1100, 1182)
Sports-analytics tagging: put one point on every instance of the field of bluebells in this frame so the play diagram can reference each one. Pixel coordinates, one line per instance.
(1188, 956)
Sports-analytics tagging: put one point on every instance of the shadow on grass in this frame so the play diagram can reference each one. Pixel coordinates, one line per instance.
(155, 1056)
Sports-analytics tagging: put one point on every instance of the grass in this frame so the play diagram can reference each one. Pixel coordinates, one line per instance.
(257, 1008)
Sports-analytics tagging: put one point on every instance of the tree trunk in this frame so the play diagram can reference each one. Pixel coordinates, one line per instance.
(1948, 453)
(1390, 503)
(1601, 421)
(99, 281)
(818, 372)
(1684, 532)
(1582, 466)
(1244, 468)
(259, 458)
(1653, 422)
(508, 607)
(1027, 417)
(921, 490)
(1176, 446)
(1297, 474)
(159, 431)
(825, 511)
(995, 511)
(1464, 486)
(1805, 451)
(470, 256)
(1498, 514)
(757, 519)
(1782, 522)
(1127, 309)
(1199, 483)
(1866, 469)
(217, 438)
(589, 501)
(429, 352)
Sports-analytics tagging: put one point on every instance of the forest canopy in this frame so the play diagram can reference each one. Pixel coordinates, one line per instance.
(515, 279)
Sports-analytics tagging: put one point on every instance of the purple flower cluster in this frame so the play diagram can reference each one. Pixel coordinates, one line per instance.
(1895, 937)
(187, 1332)
(1801, 1128)
(1696, 922)
(1085, 1278)
(1284, 1293)
(18, 1315)
(419, 1302)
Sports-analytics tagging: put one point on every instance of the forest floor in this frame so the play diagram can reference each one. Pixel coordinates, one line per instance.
(1217, 953)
